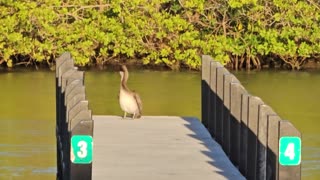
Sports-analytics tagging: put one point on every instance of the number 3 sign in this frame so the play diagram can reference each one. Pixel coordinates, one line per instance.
(81, 149)
(289, 151)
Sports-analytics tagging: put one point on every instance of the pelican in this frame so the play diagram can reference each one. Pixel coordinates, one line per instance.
(130, 101)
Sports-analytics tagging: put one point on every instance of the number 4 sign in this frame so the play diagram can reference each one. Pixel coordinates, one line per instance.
(81, 149)
(289, 151)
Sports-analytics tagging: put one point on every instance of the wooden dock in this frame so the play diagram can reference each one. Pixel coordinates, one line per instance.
(157, 148)
(256, 140)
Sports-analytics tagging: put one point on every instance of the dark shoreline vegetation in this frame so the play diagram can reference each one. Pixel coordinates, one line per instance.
(161, 34)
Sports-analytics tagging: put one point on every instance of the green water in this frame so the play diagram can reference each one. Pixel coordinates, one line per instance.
(27, 110)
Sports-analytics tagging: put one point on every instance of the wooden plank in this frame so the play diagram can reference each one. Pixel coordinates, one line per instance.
(228, 79)
(264, 112)
(81, 105)
(82, 115)
(65, 66)
(253, 124)
(61, 59)
(273, 147)
(244, 134)
(213, 96)
(292, 172)
(219, 103)
(65, 76)
(71, 84)
(77, 75)
(235, 121)
(159, 148)
(205, 75)
(73, 101)
(79, 89)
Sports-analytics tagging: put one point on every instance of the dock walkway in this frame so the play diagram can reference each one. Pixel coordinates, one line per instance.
(157, 148)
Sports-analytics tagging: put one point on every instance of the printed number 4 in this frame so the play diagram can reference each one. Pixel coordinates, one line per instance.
(289, 152)
(83, 149)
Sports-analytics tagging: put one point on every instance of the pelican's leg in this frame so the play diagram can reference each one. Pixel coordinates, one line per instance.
(125, 115)
(134, 114)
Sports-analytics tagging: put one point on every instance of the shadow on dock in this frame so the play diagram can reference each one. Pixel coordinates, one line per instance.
(214, 151)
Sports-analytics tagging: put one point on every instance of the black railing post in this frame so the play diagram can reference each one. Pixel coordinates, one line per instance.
(273, 147)
(264, 112)
(244, 134)
(254, 137)
(74, 129)
(221, 71)
(205, 90)
(235, 121)
(228, 79)
(253, 124)
(63, 63)
(212, 126)
(289, 151)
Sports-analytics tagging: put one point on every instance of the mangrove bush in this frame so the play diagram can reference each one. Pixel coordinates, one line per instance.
(174, 33)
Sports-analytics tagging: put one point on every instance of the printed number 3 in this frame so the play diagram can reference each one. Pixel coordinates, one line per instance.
(83, 149)
(290, 151)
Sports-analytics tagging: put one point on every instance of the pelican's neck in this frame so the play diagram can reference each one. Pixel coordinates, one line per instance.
(124, 78)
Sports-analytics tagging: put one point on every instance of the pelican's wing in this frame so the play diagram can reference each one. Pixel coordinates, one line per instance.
(139, 102)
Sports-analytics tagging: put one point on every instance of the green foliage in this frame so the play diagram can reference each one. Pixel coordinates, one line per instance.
(282, 29)
(169, 32)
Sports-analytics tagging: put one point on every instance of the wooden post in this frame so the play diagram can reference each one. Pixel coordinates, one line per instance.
(59, 61)
(253, 124)
(244, 134)
(228, 79)
(205, 75)
(83, 131)
(64, 69)
(81, 128)
(213, 97)
(249, 131)
(61, 70)
(76, 109)
(264, 112)
(273, 147)
(74, 122)
(235, 121)
(289, 134)
(221, 71)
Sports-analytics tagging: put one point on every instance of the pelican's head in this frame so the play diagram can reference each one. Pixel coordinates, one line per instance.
(123, 71)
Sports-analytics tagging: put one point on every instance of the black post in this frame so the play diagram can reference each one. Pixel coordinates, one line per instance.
(253, 124)
(235, 121)
(289, 151)
(244, 134)
(228, 79)
(74, 129)
(205, 75)
(273, 147)
(255, 138)
(213, 98)
(219, 103)
(264, 112)
(63, 63)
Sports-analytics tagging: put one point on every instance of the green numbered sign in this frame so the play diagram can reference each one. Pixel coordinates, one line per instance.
(81, 149)
(289, 151)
